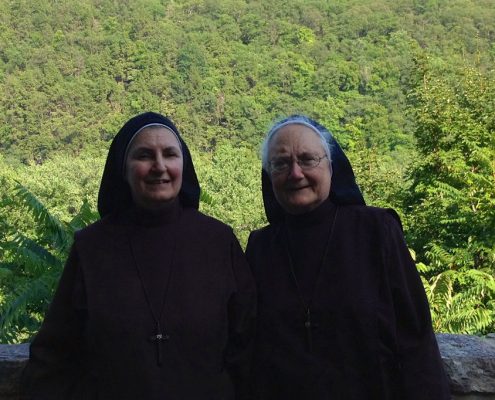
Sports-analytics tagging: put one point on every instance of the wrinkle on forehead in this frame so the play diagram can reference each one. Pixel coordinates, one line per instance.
(296, 139)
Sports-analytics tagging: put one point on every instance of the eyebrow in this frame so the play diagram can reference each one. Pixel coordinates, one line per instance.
(302, 154)
(145, 148)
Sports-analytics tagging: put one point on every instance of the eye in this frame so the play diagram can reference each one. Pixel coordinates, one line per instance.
(143, 155)
(171, 153)
(307, 160)
(280, 163)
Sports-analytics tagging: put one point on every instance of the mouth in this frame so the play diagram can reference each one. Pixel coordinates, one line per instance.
(157, 181)
(295, 189)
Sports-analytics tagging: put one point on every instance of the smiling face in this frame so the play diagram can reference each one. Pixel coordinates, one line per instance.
(299, 191)
(153, 168)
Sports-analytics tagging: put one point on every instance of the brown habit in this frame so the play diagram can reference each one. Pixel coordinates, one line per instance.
(100, 339)
(368, 335)
(371, 329)
(95, 342)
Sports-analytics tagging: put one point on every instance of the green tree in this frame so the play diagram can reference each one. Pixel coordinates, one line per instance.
(461, 301)
(236, 200)
(451, 202)
(31, 262)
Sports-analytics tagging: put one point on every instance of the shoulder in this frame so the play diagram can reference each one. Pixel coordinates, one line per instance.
(96, 229)
(100, 235)
(263, 233)
(194, 220)
(262, 239)
(369, 215)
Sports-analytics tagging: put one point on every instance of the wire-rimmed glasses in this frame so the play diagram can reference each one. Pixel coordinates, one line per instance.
(284, 164)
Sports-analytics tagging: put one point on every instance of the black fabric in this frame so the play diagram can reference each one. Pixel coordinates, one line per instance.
(94, 342)
(115, 194)
(343, 191)
(373, 338)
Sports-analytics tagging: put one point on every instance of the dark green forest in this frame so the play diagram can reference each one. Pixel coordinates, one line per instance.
(406, 86)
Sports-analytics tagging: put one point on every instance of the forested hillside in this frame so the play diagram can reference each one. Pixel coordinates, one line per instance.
(406, 86)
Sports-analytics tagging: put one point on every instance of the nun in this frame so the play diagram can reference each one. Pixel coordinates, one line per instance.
(342, 313)
(156, 300)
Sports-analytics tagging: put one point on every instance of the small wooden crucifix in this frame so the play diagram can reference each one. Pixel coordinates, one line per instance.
(309, 326)
(159, 338)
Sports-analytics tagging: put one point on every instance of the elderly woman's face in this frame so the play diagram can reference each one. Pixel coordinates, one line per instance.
(299, 190)
(153, 168)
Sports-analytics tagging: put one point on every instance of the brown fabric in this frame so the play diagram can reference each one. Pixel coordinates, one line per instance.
(373, 337)
(94, 342)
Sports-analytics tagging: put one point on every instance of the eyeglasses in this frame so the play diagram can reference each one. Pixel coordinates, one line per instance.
(283, 164)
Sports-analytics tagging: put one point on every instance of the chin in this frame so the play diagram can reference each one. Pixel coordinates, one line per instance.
(156, 202)
(299, 208)
(164, 200)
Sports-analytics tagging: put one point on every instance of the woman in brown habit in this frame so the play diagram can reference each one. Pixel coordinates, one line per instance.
(342, 313)
(156, 300)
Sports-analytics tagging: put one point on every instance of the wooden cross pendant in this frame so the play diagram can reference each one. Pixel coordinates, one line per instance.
(309, 326)
(159, 338)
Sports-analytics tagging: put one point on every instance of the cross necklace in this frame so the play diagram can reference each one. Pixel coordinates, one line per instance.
(309, 325)
(159, 336)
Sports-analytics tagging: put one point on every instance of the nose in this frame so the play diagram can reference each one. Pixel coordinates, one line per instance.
(295, 171)
(159, 165)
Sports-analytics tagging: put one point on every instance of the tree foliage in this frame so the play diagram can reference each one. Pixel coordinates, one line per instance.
(461, 301)
(451, 202)
(71, 73)
(407, 87)
(236, 200)
(31, 262)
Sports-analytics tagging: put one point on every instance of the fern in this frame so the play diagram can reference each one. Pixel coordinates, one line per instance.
(54, 231)
(25, 304)
(30, 267)
(444, 189)
(28, 254)
(84, 217)
(440, 258)
(462, 301)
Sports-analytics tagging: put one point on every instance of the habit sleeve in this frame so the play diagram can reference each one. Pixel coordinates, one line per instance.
(55, 367)
(242, 312)
(421, 367)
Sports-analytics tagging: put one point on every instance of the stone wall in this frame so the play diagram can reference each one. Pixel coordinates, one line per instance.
(469, 362)
(12, 360)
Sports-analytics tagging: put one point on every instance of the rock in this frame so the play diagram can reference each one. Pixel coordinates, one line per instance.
(12, 360)
(469, 362)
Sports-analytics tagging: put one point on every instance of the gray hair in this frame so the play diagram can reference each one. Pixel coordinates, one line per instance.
(322, 133)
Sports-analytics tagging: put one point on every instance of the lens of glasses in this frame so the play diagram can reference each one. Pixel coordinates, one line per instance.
(283, 164)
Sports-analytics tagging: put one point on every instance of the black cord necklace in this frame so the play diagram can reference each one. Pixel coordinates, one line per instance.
(309, 325)
(159, 336)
